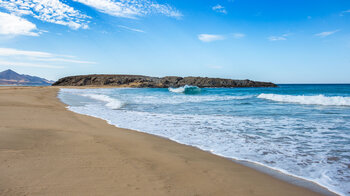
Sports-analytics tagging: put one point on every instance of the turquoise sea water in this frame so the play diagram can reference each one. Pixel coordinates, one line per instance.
(300, 130)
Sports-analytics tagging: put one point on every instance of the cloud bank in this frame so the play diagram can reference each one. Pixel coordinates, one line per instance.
(52, 11)
(131, 8)
(58, 12)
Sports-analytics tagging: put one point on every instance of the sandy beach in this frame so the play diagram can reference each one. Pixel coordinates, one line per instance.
(47, 150)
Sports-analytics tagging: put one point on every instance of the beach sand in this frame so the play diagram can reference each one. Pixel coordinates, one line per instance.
(47, 150)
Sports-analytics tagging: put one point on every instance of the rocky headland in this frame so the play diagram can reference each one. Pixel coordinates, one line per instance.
(139, 81)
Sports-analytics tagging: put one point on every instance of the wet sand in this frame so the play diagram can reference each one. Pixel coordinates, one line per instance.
(46, 149)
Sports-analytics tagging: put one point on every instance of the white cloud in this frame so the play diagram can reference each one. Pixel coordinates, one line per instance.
(27, 58)
(210, 37)
(220, 8)
(131, 8)
(25, 64)
(66, 60)
(15, 52)
(131, 29)
(15, 25)
(238, 35)
(53, 11)
(58, 12)
(214, 37)
(279, 38)
(326, 33)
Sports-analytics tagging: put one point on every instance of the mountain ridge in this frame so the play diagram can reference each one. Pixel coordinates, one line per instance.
(10, 77)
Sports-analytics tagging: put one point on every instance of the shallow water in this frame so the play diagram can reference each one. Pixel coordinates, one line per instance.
(302, 130)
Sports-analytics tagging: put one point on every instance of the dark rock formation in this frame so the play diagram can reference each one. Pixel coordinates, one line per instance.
(155, 82)
(9, 77)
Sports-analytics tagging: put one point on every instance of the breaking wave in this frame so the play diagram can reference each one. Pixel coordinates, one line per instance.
(186, 89)
(308, 100)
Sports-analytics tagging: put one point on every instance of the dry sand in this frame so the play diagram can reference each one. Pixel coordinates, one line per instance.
(47, 150)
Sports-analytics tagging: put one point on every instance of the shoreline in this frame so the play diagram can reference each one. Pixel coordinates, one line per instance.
(274, 172)
(31, 148)
(287, 177)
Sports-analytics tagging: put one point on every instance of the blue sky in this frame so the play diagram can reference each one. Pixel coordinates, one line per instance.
(290, 41)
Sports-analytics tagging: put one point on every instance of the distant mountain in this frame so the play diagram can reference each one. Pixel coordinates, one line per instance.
(9, 77)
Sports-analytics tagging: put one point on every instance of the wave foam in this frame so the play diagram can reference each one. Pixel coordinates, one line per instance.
(308, 100)
(186, 89)
(310, 148)
(180, 98)
(111, 102)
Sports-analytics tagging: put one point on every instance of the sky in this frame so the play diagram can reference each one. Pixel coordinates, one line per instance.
(281, 41)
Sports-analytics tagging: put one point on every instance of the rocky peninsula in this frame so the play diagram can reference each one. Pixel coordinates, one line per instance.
(139, 81)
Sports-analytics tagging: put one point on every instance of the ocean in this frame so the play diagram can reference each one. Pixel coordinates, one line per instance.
(299, 130)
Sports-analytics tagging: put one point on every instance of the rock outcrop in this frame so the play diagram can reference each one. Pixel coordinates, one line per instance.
(155, 82)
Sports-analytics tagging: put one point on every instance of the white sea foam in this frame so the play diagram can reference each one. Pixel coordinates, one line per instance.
(186, 89)
(179, 99)
(311, 148)
(238, 138)
(308, 100)
(110, 102)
